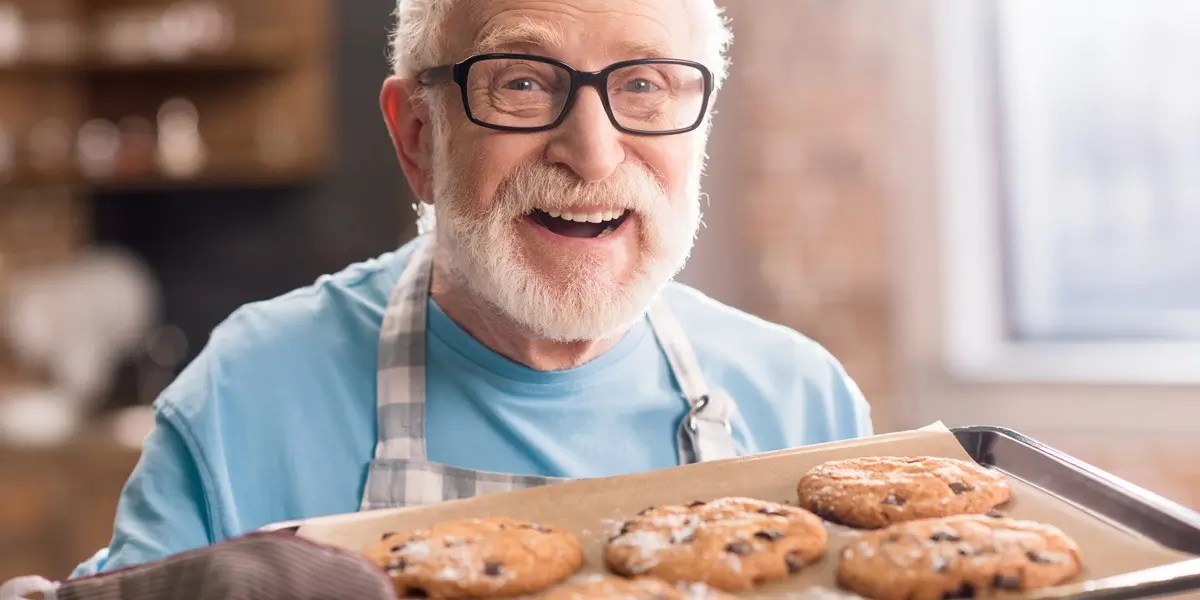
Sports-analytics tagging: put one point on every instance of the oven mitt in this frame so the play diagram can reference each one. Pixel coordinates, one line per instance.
(258, 566)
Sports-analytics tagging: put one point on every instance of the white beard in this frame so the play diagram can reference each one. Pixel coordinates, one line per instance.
(479, 248)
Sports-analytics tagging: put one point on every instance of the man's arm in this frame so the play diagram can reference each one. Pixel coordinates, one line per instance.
(848, 410)
(850, 395)
(162, 509)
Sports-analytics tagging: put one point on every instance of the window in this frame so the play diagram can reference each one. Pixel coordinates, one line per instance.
(1071, 186)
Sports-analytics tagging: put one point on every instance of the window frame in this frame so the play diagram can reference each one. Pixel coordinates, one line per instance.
(976, 345)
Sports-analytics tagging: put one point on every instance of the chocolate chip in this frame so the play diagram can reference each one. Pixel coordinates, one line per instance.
(769, 534)
(738, 548)
(832, 518)
(965, 590)
(894, 500)
(794, 564)
(960, 488)
(386, 535)
(944, 535)
(696, 503)
(995, 514)
(415, 592)
(399, 547)
(397, 565)
(492, 569)
(686, 538)
(771, 512)
(626, 528)
(645, 510)
(1041, 558)
(1007, 582)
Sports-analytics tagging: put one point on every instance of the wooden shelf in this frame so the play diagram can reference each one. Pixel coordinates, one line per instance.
(262, 110)
(207, 179)
(158, 181)
(34, 67)
(248, 59)
(263, 103)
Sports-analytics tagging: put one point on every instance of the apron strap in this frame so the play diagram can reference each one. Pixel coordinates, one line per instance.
(705, 433)
(401, 376)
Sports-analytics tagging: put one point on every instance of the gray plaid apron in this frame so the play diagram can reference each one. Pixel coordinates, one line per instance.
(402, 475)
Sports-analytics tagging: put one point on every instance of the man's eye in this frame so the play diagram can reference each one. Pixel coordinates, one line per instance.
(523, 84)
(640, 86)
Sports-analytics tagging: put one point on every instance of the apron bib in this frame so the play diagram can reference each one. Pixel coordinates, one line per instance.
(402, 475)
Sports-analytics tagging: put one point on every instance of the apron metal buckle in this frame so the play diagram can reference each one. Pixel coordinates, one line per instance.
(693, 419)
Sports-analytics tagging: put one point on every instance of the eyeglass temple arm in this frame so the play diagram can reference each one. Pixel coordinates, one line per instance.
(436, 75)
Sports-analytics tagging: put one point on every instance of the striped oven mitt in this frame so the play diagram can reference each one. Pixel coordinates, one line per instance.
(259, 566)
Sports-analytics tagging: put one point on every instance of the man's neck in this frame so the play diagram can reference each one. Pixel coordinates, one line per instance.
(500, 334)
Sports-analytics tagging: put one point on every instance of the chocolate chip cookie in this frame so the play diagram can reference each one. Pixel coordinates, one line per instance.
(640, 588)
(964, 556)
(729, 543)
(874, 492)
(477, 558)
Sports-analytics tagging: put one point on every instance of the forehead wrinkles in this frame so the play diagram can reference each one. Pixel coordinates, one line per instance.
(482, 26)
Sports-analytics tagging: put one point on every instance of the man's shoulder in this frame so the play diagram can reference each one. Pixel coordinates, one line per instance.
(725, 332)
(271, 345)
(776, 373)
(349, 301)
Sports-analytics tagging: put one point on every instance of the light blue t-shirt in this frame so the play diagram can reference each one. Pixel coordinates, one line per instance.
(275, 420)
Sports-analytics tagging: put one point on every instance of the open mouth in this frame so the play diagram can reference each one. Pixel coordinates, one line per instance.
(580, 225)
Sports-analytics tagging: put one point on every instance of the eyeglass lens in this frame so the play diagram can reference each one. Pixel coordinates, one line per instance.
(525, 93)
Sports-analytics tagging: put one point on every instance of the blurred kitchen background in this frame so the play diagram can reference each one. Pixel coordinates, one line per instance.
(989, 211)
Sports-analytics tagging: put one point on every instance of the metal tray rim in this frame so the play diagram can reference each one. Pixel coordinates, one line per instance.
(1135, 492)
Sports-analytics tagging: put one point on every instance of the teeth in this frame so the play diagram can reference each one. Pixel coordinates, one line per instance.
(596, 217)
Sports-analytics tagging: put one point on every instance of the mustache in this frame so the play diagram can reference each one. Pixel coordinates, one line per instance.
(552, 187)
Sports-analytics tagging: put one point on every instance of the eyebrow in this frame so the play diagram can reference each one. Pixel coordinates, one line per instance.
(531, 34)
(639, 49)
(517, 34)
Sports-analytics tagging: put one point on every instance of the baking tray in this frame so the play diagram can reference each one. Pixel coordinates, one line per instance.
(1104, 495)
(1092, 491)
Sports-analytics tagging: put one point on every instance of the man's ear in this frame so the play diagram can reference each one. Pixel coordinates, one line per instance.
(407, 118)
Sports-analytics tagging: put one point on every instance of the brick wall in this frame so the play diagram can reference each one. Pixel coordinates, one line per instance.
(798, 177)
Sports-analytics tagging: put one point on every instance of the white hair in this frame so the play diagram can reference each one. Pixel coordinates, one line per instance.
(418, 41)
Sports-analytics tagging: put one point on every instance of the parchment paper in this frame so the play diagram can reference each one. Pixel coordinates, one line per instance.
(593, 509)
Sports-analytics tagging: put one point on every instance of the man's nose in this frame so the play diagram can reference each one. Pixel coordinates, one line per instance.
(586, 142)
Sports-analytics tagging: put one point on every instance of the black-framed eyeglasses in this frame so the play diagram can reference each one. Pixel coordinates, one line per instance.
(524, 92)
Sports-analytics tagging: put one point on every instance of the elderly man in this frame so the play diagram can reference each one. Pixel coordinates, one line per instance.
(531, 333)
